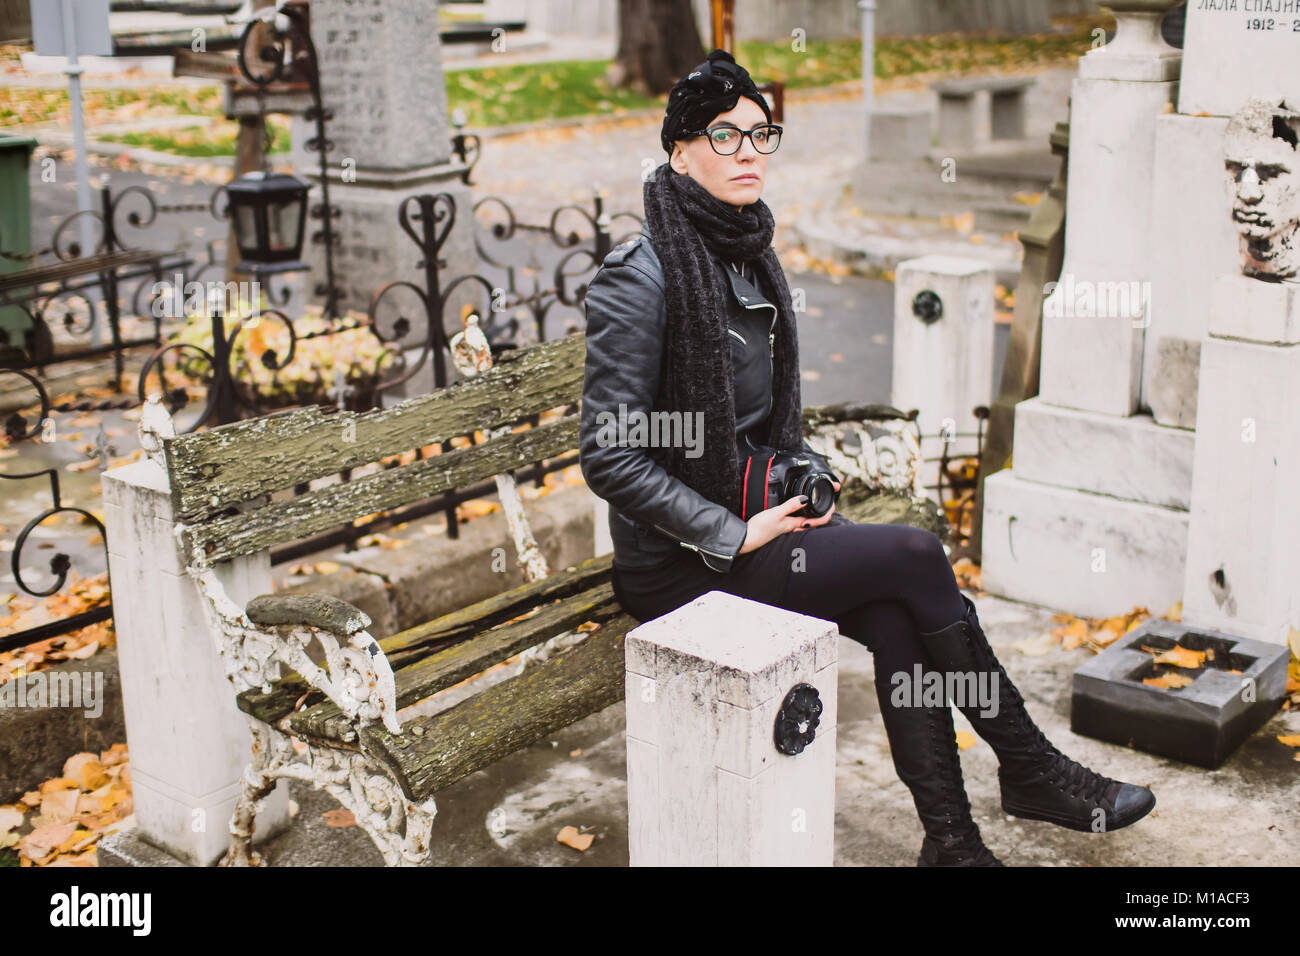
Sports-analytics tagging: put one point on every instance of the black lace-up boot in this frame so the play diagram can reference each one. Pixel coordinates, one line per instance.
(923, 744)
(1038, 781)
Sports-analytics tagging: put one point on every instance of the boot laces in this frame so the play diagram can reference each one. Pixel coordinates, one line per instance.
(960, 831)
(1076, 779)
(1068, 775)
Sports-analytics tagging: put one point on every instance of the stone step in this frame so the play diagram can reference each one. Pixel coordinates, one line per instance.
(1001, 217)
(1133, 458)
(1089, 554)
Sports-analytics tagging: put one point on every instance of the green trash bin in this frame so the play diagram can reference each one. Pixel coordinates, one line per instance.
(15, 226)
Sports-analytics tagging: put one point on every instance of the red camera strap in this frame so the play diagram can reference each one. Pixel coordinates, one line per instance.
(757, 470)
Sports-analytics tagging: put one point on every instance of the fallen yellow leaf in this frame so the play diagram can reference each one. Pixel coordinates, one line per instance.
(59, 806)
(93, 775)
(1181, 656)
(75, 841)
(339, 818)
(1170, 681)
(56, 783)
(570, 837)
(85, 859)
(37, 844)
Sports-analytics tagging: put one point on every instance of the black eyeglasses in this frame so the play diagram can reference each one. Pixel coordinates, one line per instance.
(726, 140)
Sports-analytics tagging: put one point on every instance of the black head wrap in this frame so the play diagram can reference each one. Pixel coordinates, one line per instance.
(713, 87)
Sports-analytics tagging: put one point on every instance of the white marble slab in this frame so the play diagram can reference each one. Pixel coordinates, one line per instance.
(1132, 458)
(1235, 49)
(1075, 551)
(1243, 566)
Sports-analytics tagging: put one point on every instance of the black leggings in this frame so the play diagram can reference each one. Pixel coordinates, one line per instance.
(845, 569)
(881, 583)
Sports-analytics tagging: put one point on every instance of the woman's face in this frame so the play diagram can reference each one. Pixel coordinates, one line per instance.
(736, 179)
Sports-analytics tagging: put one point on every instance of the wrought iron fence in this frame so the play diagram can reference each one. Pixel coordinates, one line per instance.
(55, 290)
(223, 369)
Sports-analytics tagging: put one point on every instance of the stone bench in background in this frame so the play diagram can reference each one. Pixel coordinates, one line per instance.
(974, 112)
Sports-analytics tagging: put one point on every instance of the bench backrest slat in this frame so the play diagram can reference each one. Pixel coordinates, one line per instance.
(249, 532)
(215, 470)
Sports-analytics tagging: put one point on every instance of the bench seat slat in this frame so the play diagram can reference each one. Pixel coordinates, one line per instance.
(457, 663)
(216, 469)
(406, 647)
(504, 718)
(321, 509)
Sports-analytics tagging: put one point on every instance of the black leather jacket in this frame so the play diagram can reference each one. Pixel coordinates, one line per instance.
(652, 512)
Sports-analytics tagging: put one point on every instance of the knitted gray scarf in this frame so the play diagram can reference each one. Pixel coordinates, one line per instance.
(686, 223)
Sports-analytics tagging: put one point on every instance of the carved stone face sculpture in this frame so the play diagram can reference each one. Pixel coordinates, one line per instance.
(1263, 170)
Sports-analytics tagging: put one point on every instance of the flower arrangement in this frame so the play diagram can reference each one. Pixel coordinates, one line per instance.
(309, 377)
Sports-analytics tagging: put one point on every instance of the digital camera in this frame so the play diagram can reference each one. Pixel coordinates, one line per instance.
(771, 477)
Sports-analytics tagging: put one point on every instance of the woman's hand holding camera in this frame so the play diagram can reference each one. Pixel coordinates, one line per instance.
(766, 525)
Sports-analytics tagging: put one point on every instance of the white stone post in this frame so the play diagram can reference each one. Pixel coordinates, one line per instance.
(943, 363)
(189, 743)
(706, 783)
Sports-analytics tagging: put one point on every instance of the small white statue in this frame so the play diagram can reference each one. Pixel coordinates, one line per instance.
(1263, 173)
(470, 351)
(155, 425)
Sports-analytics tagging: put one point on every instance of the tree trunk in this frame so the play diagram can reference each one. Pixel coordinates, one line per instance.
(658, 44)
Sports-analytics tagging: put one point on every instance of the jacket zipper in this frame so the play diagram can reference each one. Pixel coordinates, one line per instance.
(685, 544)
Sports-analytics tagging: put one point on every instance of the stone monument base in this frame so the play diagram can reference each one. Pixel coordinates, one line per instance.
(1092, 519)
(1089, 554)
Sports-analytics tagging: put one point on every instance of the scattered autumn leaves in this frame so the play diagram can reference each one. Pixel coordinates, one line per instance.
(309, 377)
(59, 823)
(78, 595)
(1097, 634)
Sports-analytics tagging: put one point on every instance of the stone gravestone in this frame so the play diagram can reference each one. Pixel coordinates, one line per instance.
(1099, 514)
(1242, 562)
(382, 77)
(1092, 517)
(1233, 49)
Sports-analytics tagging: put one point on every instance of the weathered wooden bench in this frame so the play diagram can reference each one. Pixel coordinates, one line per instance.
(339, 725)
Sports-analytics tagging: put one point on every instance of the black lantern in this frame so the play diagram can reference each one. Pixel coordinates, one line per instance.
(269, 213)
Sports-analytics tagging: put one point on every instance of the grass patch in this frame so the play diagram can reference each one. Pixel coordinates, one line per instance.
(217, 139)
(530, 92)
(21, 105)
(499, 96)
(825, 62)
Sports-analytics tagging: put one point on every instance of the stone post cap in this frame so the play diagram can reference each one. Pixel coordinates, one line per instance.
(945, 265)
(758, 650)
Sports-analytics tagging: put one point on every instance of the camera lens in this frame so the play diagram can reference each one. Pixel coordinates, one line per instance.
(820, 492)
